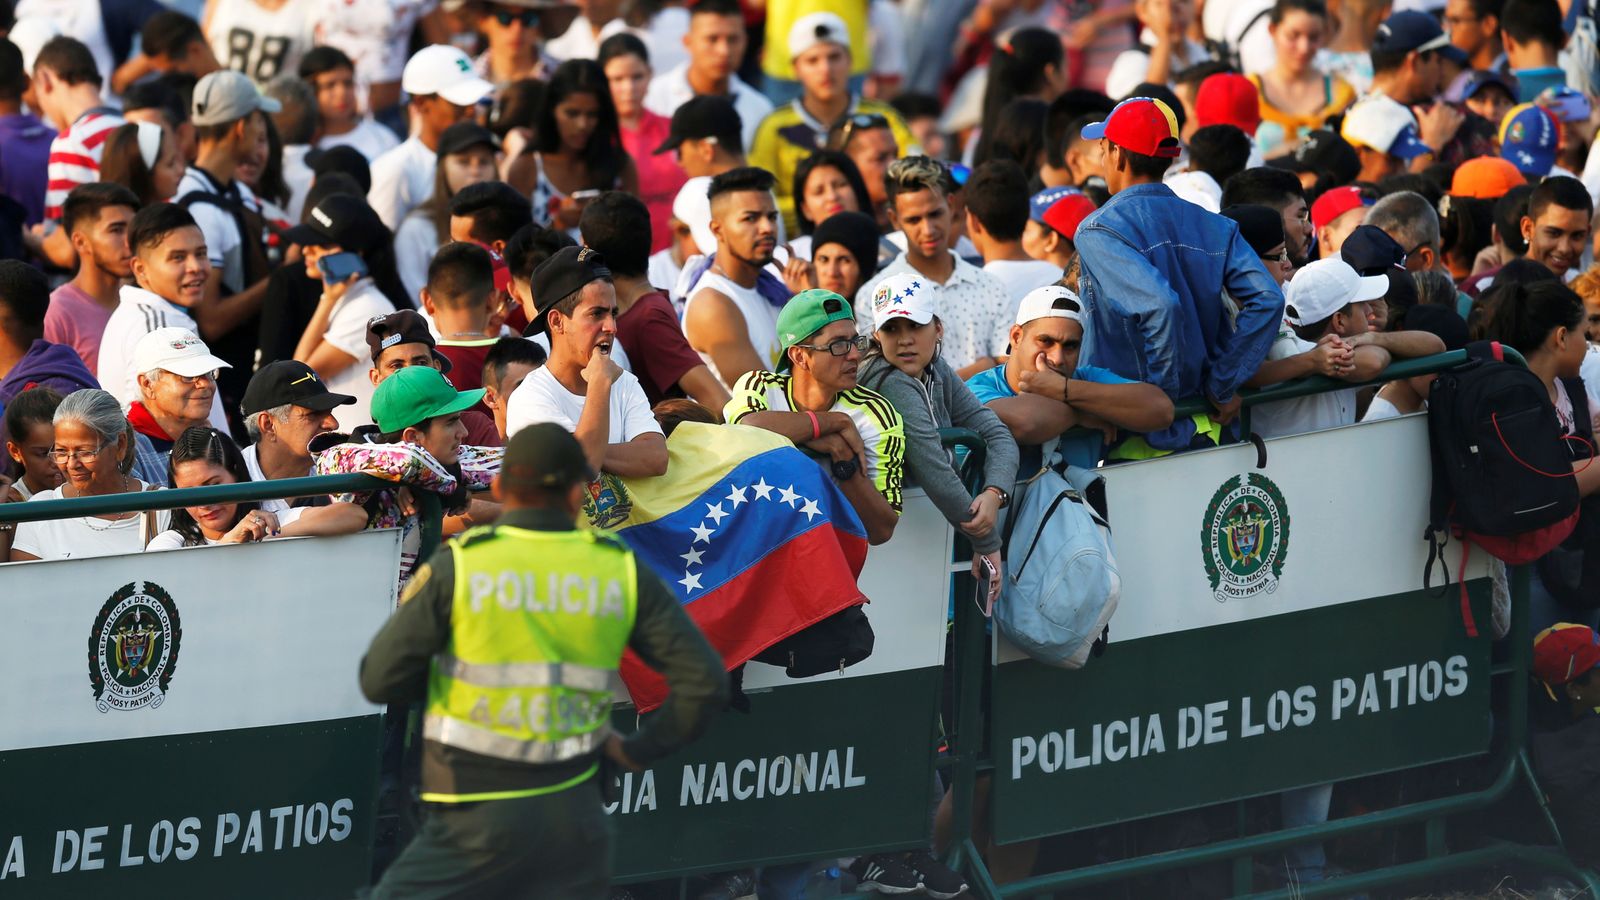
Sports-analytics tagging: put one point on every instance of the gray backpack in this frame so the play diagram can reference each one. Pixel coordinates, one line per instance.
(1061, 583)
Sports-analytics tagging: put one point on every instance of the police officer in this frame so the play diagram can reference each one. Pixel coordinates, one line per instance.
(512, 634)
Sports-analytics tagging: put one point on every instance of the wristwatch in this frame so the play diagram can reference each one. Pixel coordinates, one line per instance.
(1005, 498)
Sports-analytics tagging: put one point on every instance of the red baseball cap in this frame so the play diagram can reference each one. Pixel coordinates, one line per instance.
(1228, 98)
(1564, 652)
(1139, 125)
(502, 272)
(1067, 213)
(1335, 203)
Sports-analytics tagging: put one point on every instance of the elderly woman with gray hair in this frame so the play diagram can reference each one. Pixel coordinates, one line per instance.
(93, 448)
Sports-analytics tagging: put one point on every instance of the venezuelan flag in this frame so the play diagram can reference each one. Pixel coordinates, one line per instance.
(751, 535)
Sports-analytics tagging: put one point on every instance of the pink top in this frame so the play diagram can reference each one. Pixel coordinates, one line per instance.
(75, 319)
(659, 176)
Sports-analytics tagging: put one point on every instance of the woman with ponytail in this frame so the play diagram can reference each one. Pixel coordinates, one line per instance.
(204, 456)
(1028, 63)
(1544, 322)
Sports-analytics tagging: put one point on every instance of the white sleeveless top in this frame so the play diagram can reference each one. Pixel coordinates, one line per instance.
(262, 43)
(760, 317)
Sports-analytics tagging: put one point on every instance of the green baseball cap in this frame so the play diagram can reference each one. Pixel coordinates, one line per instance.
(807, 313)
(416, 393)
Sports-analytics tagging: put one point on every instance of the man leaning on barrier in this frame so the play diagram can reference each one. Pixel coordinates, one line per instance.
(284, 407)
(513, 634)
(813, 399)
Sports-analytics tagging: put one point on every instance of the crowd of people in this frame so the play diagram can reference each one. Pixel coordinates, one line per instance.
(272, 238)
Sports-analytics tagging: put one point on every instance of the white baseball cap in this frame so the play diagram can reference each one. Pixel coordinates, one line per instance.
(1326, 286)
(176, 350)
(1383, 124)
(447, 71)
(903, 297)
(692, 207)
(1050, 302)
(817, 28)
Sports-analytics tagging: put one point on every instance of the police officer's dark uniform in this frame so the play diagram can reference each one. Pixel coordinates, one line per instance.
(512, 634)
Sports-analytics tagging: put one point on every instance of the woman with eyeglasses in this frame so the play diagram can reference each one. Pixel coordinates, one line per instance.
(1262, 228)
(93, 448)
(825, 183)
(626, 64)
(204, 456)
(576, 152)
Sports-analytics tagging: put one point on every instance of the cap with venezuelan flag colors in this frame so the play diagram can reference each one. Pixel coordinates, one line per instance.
(1140, 125)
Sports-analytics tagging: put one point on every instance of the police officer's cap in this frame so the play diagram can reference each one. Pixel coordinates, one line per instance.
(544, 456)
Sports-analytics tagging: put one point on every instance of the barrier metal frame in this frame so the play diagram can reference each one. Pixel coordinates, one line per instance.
(963, 760)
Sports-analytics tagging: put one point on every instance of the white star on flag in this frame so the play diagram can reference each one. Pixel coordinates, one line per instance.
(736, 497)
(690, 582)
(693, 557)
(702, 534)
(789, 496)
(715, 512)
(811, 509)
(762, 489)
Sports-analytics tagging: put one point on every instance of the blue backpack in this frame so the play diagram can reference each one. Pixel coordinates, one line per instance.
(1061, 584)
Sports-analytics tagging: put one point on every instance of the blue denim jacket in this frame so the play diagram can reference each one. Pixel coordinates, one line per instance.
(1154, 268)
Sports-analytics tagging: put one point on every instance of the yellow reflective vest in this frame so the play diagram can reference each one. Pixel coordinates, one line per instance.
(539, 621)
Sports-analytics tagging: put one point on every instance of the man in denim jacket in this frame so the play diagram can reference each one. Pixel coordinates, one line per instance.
(1174, 296)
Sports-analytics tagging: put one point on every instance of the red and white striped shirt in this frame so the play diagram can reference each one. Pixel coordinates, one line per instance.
(75, 156)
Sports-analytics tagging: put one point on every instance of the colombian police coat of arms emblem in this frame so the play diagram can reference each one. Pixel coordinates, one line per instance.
(1245, 537)
(133, 649)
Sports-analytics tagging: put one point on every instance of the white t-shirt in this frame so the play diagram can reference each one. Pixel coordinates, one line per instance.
(402, 180)
(372, 139)
(580, 42)
(375, 34)
(138, 313)
(298, 176)
(541, 398)
(670, 90)
(82, 537)
(663, 273)
(1198, 188)
(80, 19)
(171, 540)
(347, 330)
(1131, 66)
(1303, 414)
(224, 244)
(252, 464)
(262, 43)
(415, 243)
(1018, 277)
(887, 27)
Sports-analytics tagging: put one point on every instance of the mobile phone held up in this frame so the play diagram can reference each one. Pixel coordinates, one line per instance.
(338, 267)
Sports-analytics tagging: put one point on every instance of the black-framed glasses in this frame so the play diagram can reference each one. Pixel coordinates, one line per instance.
(528, 17)
(1281, 257)
(861, 122)
(842, 346)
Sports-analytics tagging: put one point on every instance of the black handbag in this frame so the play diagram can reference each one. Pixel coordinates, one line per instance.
(832, 645)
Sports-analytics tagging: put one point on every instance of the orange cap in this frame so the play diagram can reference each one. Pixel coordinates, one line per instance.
(1485, 178)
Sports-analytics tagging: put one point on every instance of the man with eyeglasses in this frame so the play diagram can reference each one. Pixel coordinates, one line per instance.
(819, 46)
(444, 90)
(814, 400)
(177, 378)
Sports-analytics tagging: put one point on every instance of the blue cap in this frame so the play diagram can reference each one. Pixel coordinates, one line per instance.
(1468, 84)
(1410, 30)
(1529, 136)
(1371, 251)
(1040, 203)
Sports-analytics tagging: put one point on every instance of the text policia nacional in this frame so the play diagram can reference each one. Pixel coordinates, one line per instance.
(280, 828)
(1219, 721)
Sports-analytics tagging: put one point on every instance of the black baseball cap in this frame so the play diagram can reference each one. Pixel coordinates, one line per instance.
(289, 382)
(462, 135)
(563, 274)
(702, 117)
(403, 327)
(342, 158)
(544, 456)
(340, 220)
(1371, 251)
(1326, 154)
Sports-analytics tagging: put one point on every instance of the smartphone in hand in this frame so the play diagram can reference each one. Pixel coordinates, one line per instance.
(337, 268)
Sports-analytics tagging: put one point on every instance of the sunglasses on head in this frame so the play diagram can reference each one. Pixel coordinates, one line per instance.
(861, 121)
(527, 17)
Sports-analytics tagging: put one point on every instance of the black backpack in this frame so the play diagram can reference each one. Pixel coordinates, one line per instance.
(1571, 571)
(1502, 476)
